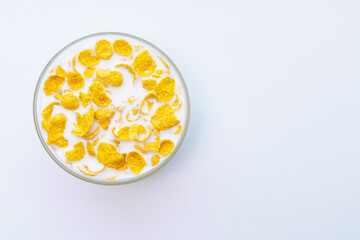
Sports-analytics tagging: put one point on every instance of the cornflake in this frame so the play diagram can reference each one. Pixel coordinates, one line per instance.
(166, 147)
(89, 72)
(55, 129)
(155, 159)
(165, 89)
(84, 123)
(114, 79)
(104, 124)
(129, 68)
(60, 72)
(122, 47)
(103, 49)
(179, 130)
(149, 84)
(102, 73)
(53, 84)
(75, 80)
(107, 155)
(90, 149)
(84, 99)
(70, 101)
(136, 162)
(77, 153)
(46, 113)
(87, 58)
(144, 65)
(153, 146)
(98, 95)
(103, 114)
(164, 118)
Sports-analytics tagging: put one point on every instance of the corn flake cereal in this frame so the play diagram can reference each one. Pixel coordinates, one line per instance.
(178, 130)
(164, 118)
(136, 162)
(46, 113)
(83, 123)
(75, 80)
(166, 147)
(104, 124)
(87, 58)
(107, 155)
(122, 47)
(129, 68)
(144, 65)
(98, 95)
(165, 89)
(70, 101)
(114, 79)
(89, 72)
(100, 90)
(103, 49)
(55, 129)
(90, 149)
(103, 114)
(53, 84)
(60, 72)
(155, 159)
(149, 84)
(77, 153)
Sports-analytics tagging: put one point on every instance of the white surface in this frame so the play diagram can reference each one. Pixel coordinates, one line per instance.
(273, 146)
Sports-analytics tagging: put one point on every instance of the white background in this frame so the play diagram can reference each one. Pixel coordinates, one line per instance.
(273, 146)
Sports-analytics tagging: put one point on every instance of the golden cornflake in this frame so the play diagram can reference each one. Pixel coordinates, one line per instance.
(122, 47)
(90, 149)
(155, 159)
(58, 96)
(87, 58)
(75, 80)
(176, 101)
(116, 142)
(70, 101)
(46, 113)
(98, 96)
(148, 96)
(103, 114)
(159, 72)
(104, 124)
(167, 66)
(84, 99)
(179, 130)
(87, 169)
(141, 149)
(107, 155)
(93, 134)
(77, 153)
(83, 123)
(89, 72)
(165, 89)
(60, 72)
(144, 65)
(149, 84)
(95, 142)
(129, 68)
(89, 174)
(136, 162)
(103, 49)
(150, 105)
(166, 147)
(153, 146)
(164, 118)
(53, 84)
(102, 73)
(55, 129)
(114, 79)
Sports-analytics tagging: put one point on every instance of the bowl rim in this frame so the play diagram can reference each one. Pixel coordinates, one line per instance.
(98, 180)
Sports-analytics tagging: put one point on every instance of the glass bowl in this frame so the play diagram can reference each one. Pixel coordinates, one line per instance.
(37, 110)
